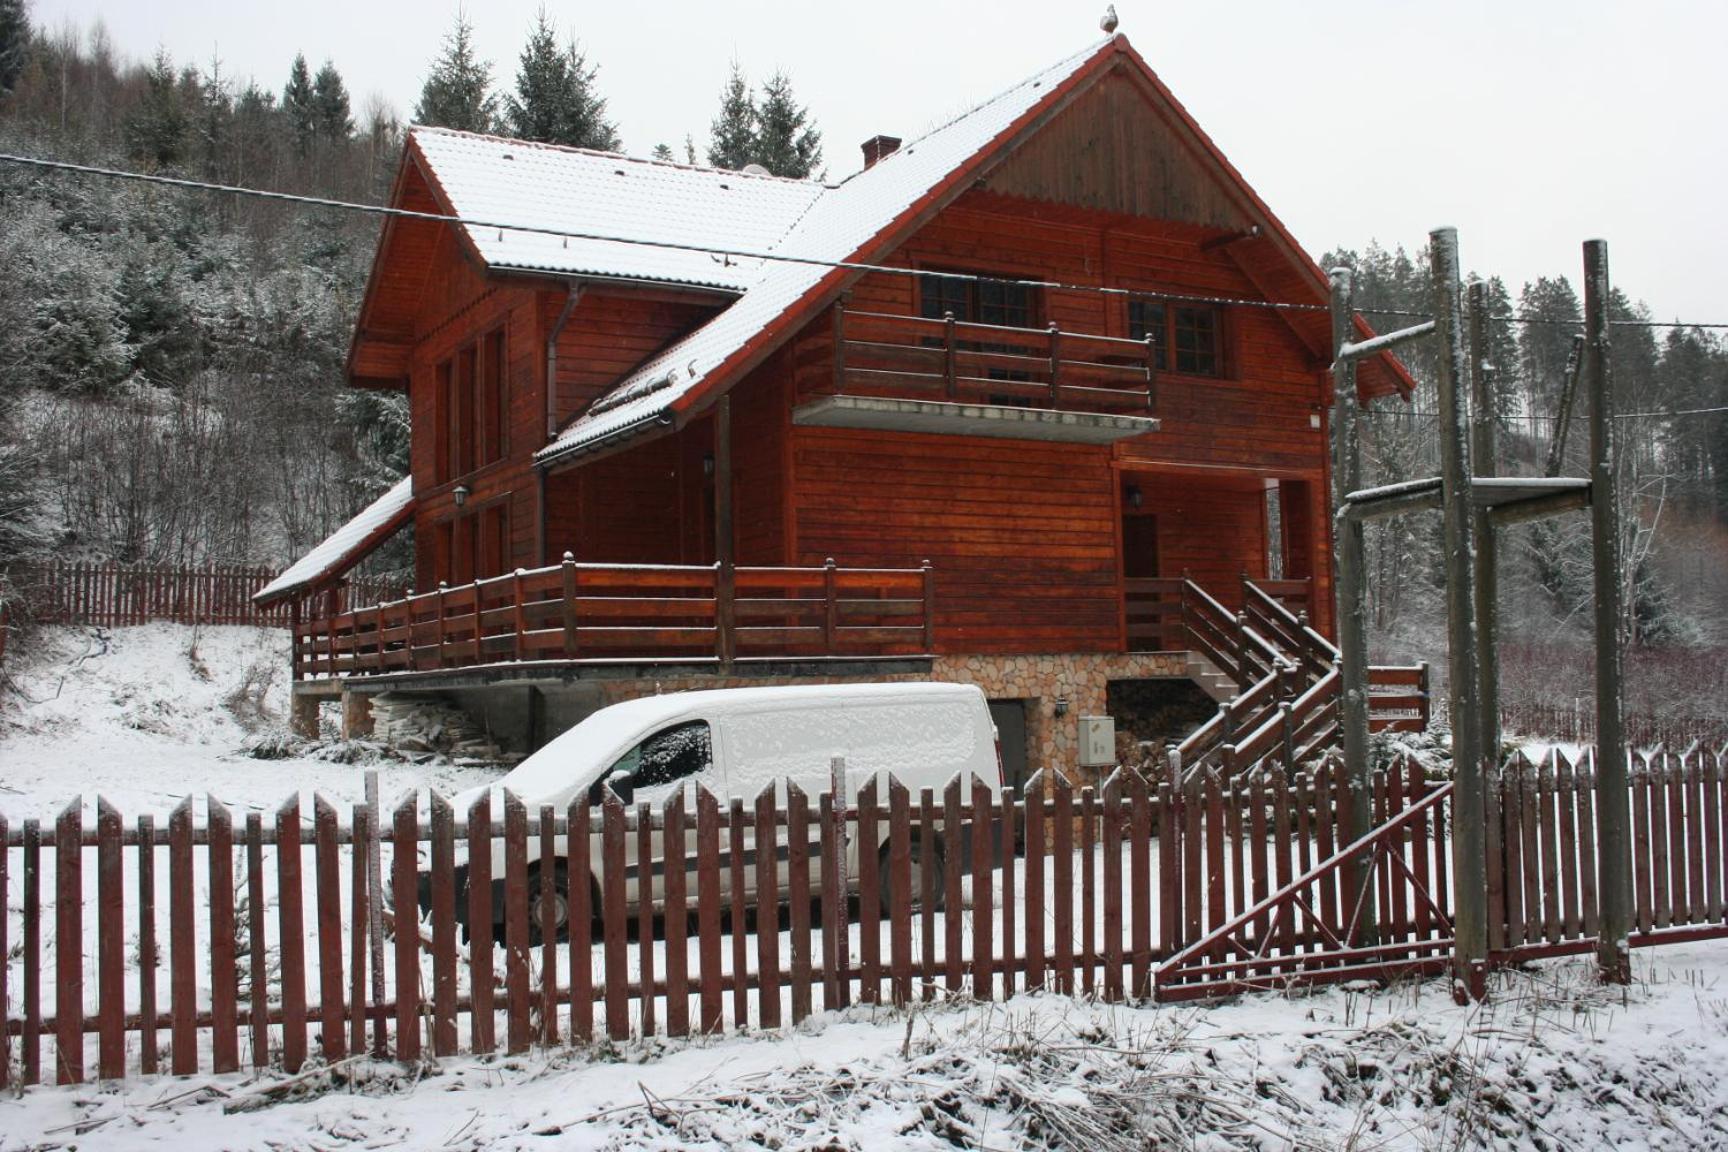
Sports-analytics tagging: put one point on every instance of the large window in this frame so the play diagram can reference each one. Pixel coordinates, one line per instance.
(471, 407)
(1185, 338)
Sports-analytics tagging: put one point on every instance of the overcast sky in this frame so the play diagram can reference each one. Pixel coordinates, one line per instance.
(1528, 124)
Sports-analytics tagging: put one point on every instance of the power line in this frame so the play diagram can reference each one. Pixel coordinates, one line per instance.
(1396, 413)
(637, 241)
(1550, 321)
(766, 257)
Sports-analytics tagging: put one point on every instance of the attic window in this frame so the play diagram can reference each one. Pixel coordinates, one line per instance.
(1195, 334)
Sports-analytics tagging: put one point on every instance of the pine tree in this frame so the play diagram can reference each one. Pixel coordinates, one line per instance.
(155, 130)
(297, 102)
(331, 119)
(458, 91)
(663, 152)
(555, 101)
(787, 143)
(732, 136)
(14, 42)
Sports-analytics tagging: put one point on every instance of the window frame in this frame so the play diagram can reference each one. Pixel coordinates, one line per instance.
(1167, 348)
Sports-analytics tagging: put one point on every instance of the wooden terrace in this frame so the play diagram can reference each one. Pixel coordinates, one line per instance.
(629, 612)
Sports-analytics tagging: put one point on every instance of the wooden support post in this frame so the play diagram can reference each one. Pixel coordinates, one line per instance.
(950, 383)
(1470, 952)
(1487, 564)
(1349, 567)
(840, 343)
(929, 607)
(1151, 373)
(726, 575)
(1055, 366)
(1613, 844)
(569, 571)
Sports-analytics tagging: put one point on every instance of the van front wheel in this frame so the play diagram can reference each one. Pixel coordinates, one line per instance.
(886, 884)
(540, 894)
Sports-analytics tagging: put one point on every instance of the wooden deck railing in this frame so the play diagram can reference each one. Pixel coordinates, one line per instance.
(574, 611)
(881, 354)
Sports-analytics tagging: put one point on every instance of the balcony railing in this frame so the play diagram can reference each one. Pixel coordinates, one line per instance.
(879, 354)
(627, 612)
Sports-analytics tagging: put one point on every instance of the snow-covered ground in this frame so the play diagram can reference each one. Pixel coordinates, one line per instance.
(146, 715)
(1552, 1061)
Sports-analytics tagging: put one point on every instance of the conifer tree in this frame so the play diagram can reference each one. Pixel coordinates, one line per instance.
(14, 42)
(732, 136)
(555, 101)
(787, 143)
(155, 130)
(458, 91)
(331, 119)
(663, 152)
(297, 102)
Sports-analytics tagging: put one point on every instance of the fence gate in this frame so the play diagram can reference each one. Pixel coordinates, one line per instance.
(1325, 926)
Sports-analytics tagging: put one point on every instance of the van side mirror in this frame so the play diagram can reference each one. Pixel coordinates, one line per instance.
(623, 785)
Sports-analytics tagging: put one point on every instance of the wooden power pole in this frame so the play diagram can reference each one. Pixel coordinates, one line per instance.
(1469, 864)
(1613, 843)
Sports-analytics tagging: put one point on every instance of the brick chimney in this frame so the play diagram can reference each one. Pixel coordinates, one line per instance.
(879, 146)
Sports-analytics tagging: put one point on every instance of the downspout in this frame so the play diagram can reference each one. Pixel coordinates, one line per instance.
(572, 294)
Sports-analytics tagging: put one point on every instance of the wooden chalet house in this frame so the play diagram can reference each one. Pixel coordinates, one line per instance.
(1046, 443)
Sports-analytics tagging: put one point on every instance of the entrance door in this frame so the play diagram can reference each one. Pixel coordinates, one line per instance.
(1140, 545)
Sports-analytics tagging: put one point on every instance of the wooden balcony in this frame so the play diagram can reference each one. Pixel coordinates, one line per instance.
(918, 374)
(629, 612)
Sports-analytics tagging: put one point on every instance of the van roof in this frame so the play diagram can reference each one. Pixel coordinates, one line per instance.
(723, 701)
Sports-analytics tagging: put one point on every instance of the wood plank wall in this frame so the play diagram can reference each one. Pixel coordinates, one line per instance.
(1022, 534)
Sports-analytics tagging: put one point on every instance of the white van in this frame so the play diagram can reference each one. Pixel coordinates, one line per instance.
(738, 741)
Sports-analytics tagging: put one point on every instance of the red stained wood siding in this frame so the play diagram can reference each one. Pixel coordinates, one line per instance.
(1021, 534)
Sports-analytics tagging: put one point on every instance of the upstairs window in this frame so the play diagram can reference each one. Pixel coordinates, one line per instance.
(1185, 338)
(978, 301)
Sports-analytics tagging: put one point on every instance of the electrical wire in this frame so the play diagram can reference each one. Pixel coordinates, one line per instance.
(1396, 413)
(637, 241)
(766, 257)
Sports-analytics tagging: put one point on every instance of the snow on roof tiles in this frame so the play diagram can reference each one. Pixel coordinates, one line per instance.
(839, 221)
(343, 548)
(605, 194)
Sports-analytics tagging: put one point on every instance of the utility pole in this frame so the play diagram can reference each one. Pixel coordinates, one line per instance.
(1470, 950)
(1349, 564)
(1487, 539)
(1613, 844)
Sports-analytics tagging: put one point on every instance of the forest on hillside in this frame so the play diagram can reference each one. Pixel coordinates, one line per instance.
(171, 362)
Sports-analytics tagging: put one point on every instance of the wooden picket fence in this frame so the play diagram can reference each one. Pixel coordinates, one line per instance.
(117, 595)
(1542, 894)
(296, 935)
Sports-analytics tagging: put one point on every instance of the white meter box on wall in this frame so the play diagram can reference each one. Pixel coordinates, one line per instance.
(1097, 741)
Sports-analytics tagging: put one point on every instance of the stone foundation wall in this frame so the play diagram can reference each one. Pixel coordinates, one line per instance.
(1080, 678)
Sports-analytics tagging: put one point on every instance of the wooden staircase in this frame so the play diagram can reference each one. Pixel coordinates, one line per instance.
(1275, 678)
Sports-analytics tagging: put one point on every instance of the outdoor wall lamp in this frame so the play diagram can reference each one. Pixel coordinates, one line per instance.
(1061, 705)
(1134, 497)
(461, 495)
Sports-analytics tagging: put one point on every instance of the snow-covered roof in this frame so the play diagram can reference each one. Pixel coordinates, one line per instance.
(346, 546)
(839, 222)
(605, 194)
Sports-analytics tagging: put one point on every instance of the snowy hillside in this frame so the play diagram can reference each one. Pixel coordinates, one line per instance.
(149, 714)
